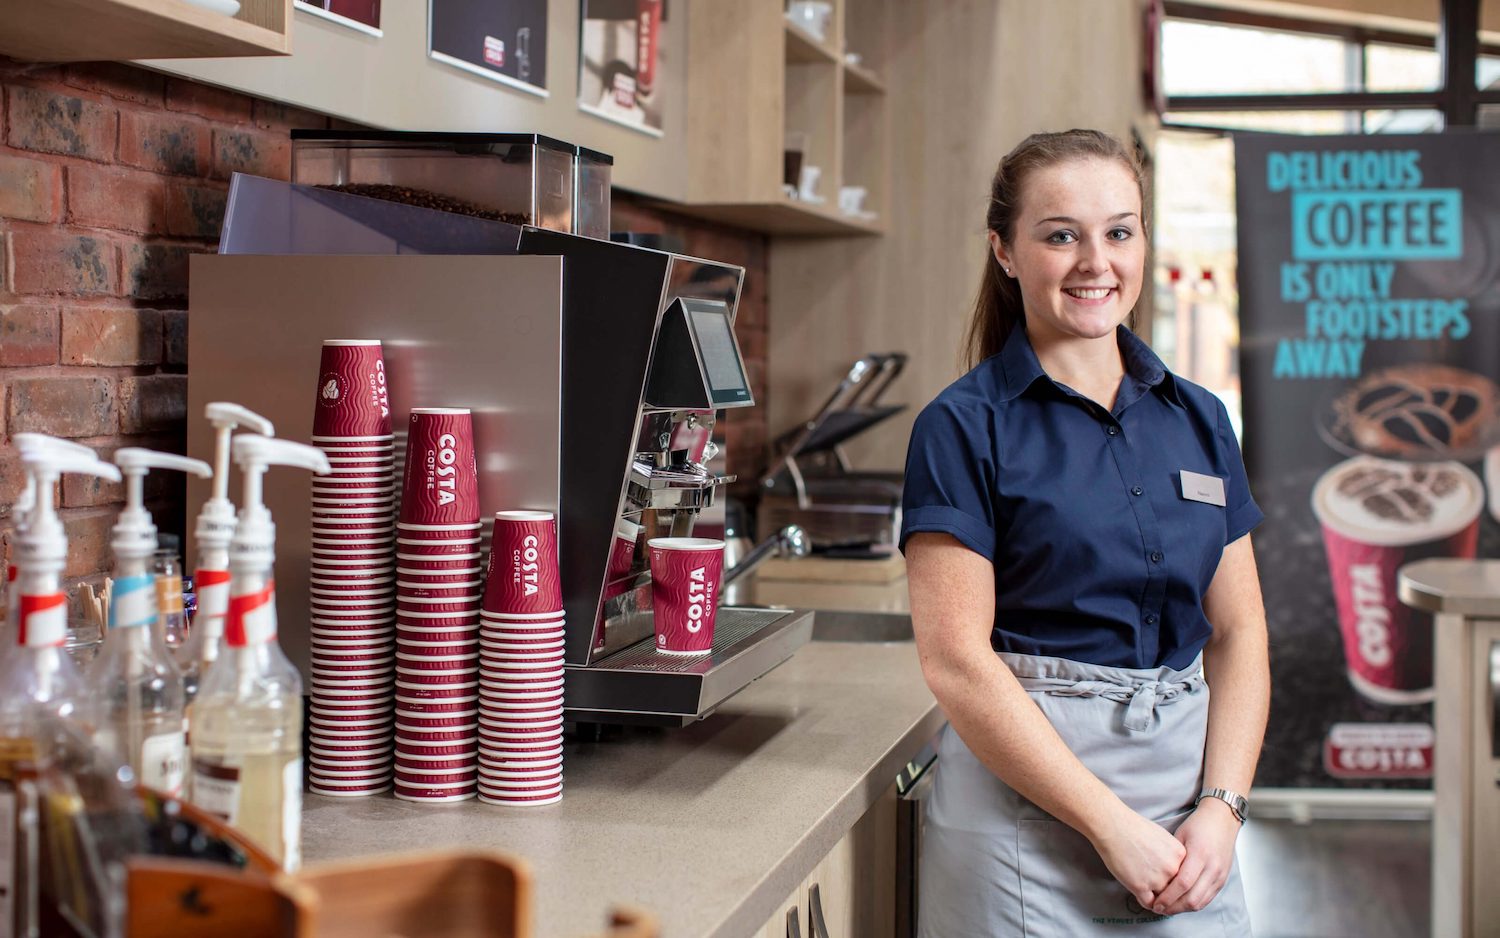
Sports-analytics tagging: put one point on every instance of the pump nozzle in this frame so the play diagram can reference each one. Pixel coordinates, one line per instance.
(227, 417)
(41, 443)
(43, 541)
(216, 519)
(255, 454)
(134, 534)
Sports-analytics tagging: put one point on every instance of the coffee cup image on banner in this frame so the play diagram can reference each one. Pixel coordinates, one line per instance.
(1417, 412)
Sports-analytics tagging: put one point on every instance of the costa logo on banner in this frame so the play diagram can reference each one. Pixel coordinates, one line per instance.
(1379, 750)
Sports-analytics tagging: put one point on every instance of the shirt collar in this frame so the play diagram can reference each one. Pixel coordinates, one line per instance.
(1021, 367)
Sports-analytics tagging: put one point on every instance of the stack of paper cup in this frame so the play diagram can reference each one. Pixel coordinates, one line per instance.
(352, 590)
(521, 664)
(438, 587)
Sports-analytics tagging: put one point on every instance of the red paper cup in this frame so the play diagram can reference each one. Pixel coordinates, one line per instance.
(536, 621)
(449, 577)
(427, 796)
(352, 400)
(523, 575)
(440, 685)
(436, 563)
(352, 706)
(461, 747)
(441, 485)
(438, 764)
(503, 801)
(461, 529)
(685, 573)
(1387, 644)
(353, 791)
(318, 712)
(507, 762)
(419, 604)
(421, 721)
(420, 637)
(414, 703)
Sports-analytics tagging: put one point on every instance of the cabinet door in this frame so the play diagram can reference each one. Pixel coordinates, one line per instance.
(852, 891)
(788, 920)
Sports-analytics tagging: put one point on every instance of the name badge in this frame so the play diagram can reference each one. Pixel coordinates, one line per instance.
(1197, 487)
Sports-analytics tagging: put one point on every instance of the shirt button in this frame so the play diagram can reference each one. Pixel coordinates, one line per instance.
(1137, 490)
(1150, 619)
(1156, 556)
(1111, 429)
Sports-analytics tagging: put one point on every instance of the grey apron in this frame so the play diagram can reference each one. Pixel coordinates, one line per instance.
(994, 865)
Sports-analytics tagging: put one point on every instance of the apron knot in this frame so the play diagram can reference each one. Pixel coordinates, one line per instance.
(1142, 706)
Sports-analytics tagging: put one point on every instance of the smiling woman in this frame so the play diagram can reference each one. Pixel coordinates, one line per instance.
(1074, 521)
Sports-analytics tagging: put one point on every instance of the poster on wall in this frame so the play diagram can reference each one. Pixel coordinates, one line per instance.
(620, 55)
(1369, 277)
(363, 15)
(502, 40)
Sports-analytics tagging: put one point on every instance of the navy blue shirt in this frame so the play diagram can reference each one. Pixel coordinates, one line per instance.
(1098, 555)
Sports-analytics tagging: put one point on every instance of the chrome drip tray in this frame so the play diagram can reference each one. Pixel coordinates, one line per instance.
(637, 684)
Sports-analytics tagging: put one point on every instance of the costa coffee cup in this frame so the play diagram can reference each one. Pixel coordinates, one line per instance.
(352, 399)
(433, 764)
(441, 483)
(525, 620)
(685, 573)
(461, 575)
(347, 791)
(405, 793)
(458, 703)
(502, 801)
(436, 563)
(508, 761)
(523, 576)
(1378, 515)
(444, 530)
(416, 747)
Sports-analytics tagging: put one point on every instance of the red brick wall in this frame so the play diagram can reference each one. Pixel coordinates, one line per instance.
(110, 176)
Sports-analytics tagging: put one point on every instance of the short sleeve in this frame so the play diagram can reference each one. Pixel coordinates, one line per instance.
(1243, 514)
(950, 478)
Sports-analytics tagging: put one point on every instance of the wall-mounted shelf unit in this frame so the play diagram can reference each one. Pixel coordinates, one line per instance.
(752, 141)
(119, 30)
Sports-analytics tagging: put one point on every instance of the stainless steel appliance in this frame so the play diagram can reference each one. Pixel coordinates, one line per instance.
(594, 371)
(913, 787)
(1464, 597)
(811, 482)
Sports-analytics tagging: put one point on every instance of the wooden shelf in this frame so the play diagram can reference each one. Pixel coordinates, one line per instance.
(860, 80)
(803, 47)
(788, 217)
(118, 30)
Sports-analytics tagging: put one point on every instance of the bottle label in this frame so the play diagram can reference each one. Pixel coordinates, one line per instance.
(8, 858)
(252, 617)
(213, 592)
(133, 601)
(169, 595)
(43, 621)
(216, 789)
(164, 762)
(291, 814)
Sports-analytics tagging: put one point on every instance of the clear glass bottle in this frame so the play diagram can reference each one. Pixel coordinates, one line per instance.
(247, 719)
(139, 710)
(171, 618)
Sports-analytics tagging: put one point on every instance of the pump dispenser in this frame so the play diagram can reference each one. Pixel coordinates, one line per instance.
(40, 690)
(36, 675)
(27, 444)
(139, 717)
(215, 528)
(247, 720)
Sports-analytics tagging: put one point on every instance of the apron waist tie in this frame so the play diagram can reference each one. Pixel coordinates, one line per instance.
(1142, 697)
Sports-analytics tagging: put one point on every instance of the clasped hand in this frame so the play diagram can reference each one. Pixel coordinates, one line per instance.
(1170, 873)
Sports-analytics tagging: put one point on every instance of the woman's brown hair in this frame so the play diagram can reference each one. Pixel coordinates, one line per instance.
(998, 308)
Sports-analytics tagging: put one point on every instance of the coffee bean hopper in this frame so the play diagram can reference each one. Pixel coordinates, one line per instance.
(594, 371)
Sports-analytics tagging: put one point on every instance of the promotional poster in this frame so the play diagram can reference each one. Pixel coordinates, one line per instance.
(1369, 279)
(620, 56)
(502, 40)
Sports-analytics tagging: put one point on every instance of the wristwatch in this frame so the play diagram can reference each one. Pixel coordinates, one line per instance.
(1237, 802)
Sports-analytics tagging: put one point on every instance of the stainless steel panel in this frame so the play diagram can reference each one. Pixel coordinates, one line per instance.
(463, 331)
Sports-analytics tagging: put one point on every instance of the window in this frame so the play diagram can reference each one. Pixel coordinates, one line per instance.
(1201, 58)
(1402, 68)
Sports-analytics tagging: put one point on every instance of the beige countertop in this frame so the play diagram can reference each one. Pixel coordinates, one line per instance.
(710, 826)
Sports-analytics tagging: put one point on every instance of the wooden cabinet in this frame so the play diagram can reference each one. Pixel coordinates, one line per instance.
(820, 108)
(851, 892)
(117, 30)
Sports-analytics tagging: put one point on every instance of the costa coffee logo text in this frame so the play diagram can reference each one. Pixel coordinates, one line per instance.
(442, 471)
(525, 566)
(700, 599)
(1371, 613)
(379, 397)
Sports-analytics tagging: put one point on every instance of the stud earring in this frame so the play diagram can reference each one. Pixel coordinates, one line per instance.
(1007, 271)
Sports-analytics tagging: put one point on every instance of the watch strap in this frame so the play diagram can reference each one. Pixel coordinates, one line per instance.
(1236, 801)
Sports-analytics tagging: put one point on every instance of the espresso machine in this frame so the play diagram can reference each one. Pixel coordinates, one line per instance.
(594, 371)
